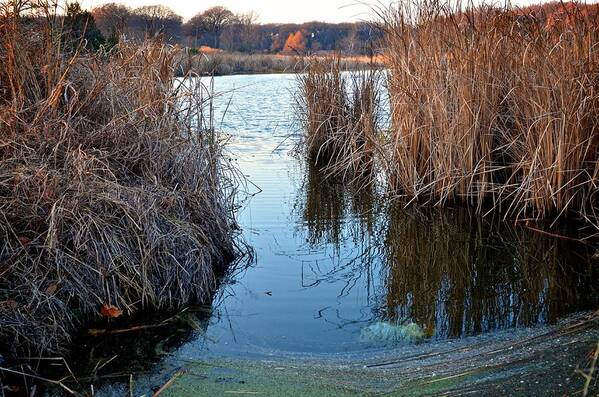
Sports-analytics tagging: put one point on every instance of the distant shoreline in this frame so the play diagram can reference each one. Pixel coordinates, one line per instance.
(222, 63)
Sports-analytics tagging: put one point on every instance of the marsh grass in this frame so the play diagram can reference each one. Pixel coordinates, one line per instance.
(114, 189)
(495, 108)
(340, 115)
(222, 63)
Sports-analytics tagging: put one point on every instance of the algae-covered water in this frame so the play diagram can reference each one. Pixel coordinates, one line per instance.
(349, 296)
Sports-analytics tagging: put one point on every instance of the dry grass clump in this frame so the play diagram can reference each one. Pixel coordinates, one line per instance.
(340, 114)
(112, 191)
(494, 106)
(220, 63)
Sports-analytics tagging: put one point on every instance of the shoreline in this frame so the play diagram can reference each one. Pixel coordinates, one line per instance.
(234, 64)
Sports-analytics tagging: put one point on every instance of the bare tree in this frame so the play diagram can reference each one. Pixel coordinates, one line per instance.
(248, 19)
(154, 20)
(210, 22)
(242, 34)
(112, 18)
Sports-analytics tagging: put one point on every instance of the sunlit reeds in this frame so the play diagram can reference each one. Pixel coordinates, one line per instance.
(496, 108)
(222, 63)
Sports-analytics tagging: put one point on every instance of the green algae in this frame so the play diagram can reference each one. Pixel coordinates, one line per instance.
(386, 334)
(227, 378)
(240, 377)
(515, 370)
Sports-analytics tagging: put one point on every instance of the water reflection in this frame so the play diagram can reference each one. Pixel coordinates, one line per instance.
(334, 212)
(323, 210)
(451, 273)
(456, 275)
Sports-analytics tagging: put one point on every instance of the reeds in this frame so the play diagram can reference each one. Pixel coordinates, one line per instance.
(222, 63)
(114, 191)
(495, 108)
(340, 115)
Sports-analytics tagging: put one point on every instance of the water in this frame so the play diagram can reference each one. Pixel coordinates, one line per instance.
(332, 264)
(287, 301)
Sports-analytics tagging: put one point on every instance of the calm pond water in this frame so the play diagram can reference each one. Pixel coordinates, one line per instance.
(337, 272)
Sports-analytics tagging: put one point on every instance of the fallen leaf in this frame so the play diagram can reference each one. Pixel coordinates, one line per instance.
(109, 311)
(25, 241)
(9, 304)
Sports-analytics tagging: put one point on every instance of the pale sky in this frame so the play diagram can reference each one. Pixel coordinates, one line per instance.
(297, 11)
(267, 10)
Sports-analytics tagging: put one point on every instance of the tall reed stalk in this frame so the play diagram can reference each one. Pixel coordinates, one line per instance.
(340, 112)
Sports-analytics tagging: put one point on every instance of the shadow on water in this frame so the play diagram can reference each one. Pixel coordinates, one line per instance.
(333, 212)
(346, 218)
(457, 275)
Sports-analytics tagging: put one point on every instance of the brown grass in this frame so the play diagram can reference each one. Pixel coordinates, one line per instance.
(113, 187)
(340, 115)
(494, 106)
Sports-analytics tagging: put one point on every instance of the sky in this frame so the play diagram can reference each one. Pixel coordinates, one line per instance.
(295, 11)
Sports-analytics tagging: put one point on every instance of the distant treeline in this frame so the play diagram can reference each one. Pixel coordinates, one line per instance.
(220, 28)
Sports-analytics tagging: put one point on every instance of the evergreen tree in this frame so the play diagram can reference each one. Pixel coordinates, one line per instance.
(79, 25)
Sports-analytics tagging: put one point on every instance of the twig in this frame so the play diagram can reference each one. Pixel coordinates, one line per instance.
(168, 384)
(534, 229)
(588, 375)
(100, 332)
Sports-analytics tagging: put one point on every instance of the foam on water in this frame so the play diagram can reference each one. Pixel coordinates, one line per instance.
(386, 334)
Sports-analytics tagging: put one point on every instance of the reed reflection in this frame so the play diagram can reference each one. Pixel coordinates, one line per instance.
(451, 273)
(457, 275)
(333, 212)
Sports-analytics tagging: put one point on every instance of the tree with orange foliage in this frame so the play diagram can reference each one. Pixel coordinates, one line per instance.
(296, 43)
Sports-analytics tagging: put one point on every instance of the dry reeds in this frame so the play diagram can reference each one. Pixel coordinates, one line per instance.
(340, 112)
(112, 190)
(494, 106)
